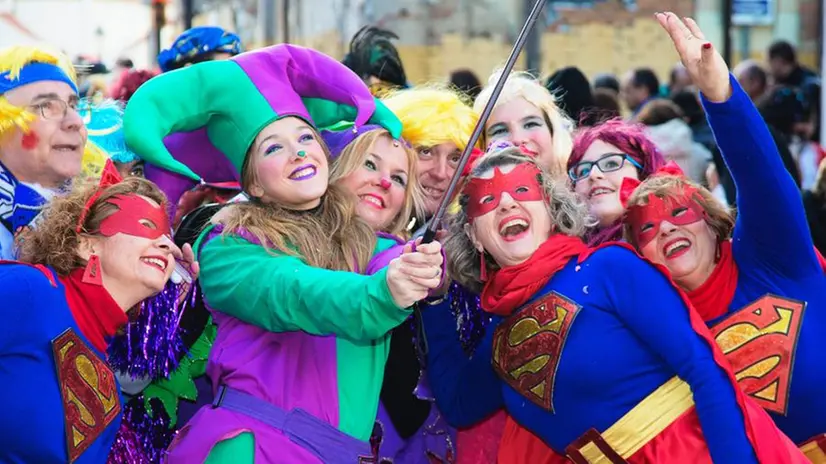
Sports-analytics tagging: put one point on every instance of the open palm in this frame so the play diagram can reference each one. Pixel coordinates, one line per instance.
(706, 67)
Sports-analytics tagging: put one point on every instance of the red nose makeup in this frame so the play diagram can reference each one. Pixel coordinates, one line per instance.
(385, 184)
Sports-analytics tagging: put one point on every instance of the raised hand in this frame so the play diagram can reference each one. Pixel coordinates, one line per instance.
(411, 276)
(189, 261)
(704, 64)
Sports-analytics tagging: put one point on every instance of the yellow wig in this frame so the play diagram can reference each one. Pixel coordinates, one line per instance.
(13, 60)
(432, 115)
(523, 85)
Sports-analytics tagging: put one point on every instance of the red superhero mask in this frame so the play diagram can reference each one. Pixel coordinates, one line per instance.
(484, 195)
(679, 210)
(135, 216)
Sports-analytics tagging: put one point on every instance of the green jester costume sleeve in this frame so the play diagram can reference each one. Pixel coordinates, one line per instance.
(238, 276)
(250, 291)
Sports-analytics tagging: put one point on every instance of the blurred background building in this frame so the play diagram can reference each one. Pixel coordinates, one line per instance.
(436, 36)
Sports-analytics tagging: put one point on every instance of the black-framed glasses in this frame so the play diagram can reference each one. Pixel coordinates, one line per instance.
(607, 163)
(55, 108)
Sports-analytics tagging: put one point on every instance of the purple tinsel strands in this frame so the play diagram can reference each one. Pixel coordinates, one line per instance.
(127, 448)
(147, 436)
(152, 346)
(471, 320)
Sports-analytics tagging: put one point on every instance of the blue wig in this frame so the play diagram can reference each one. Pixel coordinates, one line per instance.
(104, 121)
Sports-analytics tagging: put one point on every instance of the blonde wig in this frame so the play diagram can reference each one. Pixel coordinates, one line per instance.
(13, 60)
(352, 158)
(432, 115)
(523, 85)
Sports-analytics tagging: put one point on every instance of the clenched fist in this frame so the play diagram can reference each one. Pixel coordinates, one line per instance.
(413, 274)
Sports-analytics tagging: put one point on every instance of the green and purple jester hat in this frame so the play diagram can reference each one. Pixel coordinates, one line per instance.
(197, 123)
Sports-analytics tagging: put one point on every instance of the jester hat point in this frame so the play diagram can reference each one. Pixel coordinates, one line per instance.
(237, 98)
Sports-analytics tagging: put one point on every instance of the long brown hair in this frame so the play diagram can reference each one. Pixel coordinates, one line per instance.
(352, 158)
(54, 241)
(331, 237)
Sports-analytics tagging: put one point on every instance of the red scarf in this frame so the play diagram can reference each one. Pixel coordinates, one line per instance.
(95, 311)
(713, 297)
(821, 260)
(510, 287)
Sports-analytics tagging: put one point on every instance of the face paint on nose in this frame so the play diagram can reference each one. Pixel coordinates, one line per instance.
(484, 195)
(137, 217)
(645, 220)
(385, 184)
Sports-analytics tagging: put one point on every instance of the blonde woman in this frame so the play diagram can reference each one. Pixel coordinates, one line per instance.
(381, 172)
(526, 115)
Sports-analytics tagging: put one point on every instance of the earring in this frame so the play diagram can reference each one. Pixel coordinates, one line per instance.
(483, 267)
(92, 273)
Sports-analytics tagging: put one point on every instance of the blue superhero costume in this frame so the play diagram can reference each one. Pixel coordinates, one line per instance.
(775, 295)
(60, 400)
(618, 335)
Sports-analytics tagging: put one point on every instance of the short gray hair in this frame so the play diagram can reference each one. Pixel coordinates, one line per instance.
(568, 215)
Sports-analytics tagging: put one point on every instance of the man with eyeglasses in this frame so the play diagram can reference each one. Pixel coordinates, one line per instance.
(42, 137)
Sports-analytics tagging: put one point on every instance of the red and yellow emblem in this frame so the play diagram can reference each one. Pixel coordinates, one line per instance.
(760, 341)
(89, 392)
(527, 346)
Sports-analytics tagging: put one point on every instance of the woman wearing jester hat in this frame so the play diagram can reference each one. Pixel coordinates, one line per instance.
(42, 139)
(302, 339)
(96, 253)
(626, 347)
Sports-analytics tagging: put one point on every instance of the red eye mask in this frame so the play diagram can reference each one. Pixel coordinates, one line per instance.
(135, 216)
(484, 195)
(645, 220)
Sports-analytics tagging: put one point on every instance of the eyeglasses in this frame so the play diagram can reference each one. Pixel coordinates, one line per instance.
(57, 109)
(608, 163)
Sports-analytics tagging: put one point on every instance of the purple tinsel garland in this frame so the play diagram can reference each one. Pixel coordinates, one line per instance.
(151, 345)
(471, 320)
(142, 439)
(127, 448)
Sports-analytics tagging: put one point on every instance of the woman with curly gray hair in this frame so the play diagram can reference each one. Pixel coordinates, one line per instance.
(586, 347)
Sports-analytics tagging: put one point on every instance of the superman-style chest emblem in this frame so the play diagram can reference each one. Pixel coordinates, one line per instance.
(527, 346)
(88, 390)
(760, 341)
